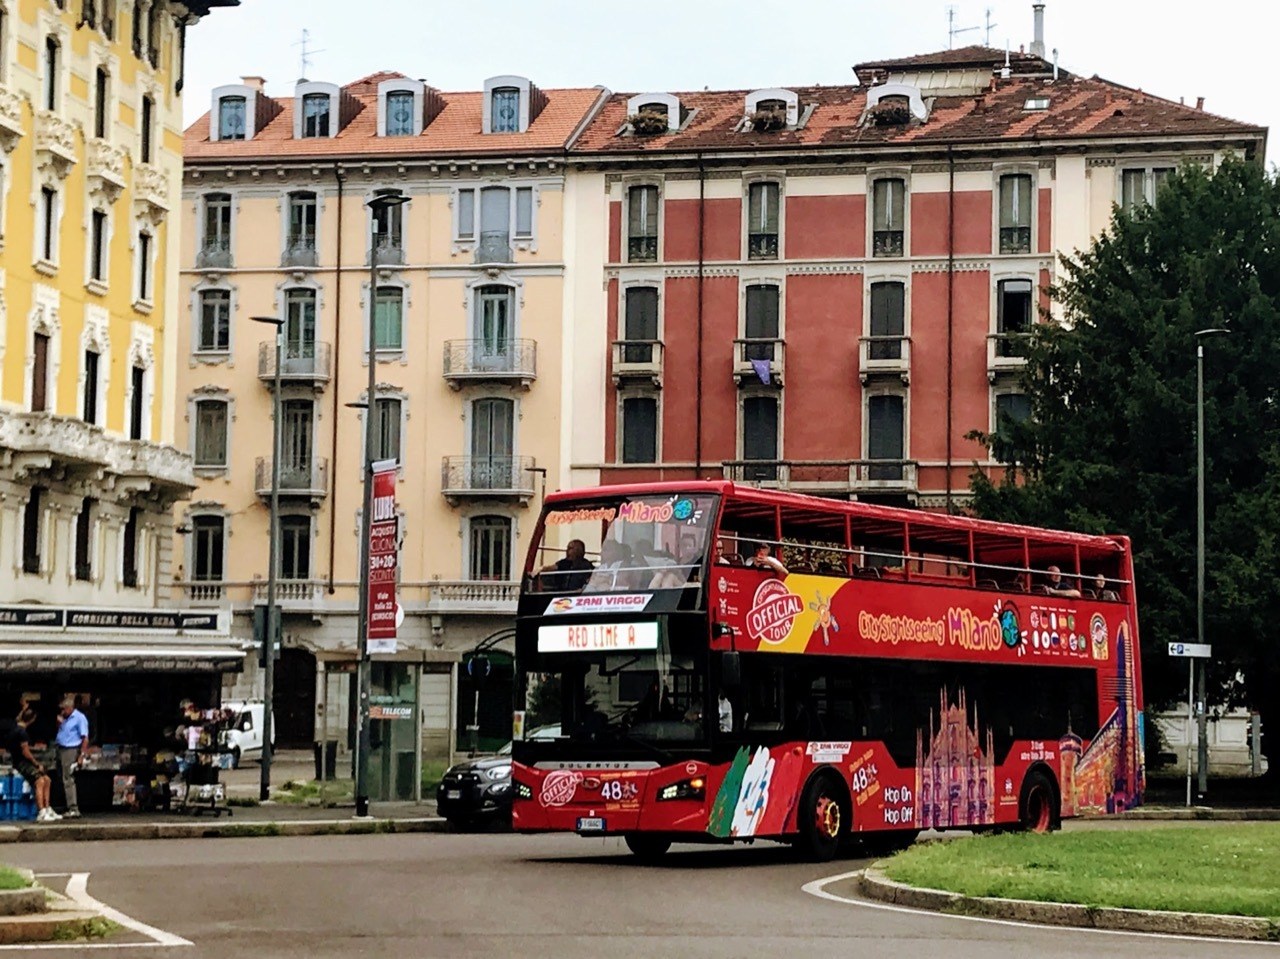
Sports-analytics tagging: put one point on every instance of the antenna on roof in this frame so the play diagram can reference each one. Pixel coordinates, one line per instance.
(1006, 71)
(952, 30)
(307, 54)
(991, 25)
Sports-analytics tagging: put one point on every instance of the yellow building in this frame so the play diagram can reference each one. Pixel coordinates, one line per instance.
(90, 166)
(468, 281)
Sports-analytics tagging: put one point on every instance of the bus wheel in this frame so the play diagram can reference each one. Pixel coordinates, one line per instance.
(1037, 813)
(821, 820)
(647, 847)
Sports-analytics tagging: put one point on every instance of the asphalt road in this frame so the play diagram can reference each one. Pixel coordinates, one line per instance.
(500, 895)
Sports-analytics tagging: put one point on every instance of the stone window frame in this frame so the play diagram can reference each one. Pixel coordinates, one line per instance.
(1148, 163)
(888, 172)
(44, 317)
(523, 85)
(478, 511)
(624, 188)
(98, 204)
(758, 390)
(402, 85)
(95, 336)
(493, 392)
(385, 279)
(250, 95)
(301, 91)
(286, 210)
(774, 277)
(215, 394)
(1015, 168)
(520, 241)
(141, 354)
(470, 300)
(633, 393)
(779, 178)
(200, 511)
(891, 272)
(195, 303)
(996, 390)
(885, 388)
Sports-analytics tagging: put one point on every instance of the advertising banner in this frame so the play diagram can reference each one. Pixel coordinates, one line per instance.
(383, 559)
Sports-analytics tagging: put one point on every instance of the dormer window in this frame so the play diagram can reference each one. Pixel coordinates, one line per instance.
(772, 110)
(650, 113)
(315, 115)
(231, 118)
(400, 114)
(505, 110)
(510, 104)
(315, 110)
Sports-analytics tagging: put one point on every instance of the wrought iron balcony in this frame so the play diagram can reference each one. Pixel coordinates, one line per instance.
(827, 476)
(884, 355)
(215, 254)
(309, 479)
(762, 246)
(484, 360)
(887, 243)
(487, 477)
(637, 360)
(642, 249)
(1006, 353)
(758, 360)
(494, 247)
(1015, 239)
(299, 251)
(387, 250)
(302, 362)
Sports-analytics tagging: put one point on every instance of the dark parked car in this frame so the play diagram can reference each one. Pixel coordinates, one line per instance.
(480, 789)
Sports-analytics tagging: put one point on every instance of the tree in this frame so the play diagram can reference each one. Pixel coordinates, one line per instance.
(1110, 443)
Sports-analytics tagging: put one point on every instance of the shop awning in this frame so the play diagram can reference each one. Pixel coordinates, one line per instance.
(15, 658)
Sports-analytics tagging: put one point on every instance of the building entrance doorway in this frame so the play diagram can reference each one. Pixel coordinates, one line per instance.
(295, 699)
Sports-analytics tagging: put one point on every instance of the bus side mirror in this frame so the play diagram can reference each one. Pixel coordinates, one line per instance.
(731, 669)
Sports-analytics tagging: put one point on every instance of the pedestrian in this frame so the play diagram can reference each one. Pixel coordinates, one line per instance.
(73, 749)
(13, 736)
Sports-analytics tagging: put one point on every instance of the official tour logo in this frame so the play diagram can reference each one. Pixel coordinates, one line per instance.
(559, 786)
(773, 610)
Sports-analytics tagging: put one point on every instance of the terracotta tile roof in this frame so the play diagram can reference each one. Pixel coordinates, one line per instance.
(454, 131)
(1078, 107)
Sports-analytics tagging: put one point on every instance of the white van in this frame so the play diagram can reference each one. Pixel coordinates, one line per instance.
(244, 737)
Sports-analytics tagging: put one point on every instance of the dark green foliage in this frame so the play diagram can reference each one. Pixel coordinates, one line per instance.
(1110, 446)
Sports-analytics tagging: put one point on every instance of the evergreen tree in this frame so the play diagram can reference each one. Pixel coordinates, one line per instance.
(1111, 447)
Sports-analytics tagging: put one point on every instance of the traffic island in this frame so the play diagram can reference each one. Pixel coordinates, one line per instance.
(1220, 879)
(29, 912)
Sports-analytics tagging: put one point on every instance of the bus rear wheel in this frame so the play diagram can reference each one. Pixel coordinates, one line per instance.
(647, 848)
(1037, 810)
(821, 820)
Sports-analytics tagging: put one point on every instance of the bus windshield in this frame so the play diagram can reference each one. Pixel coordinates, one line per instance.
(645, 697)
(622, 544)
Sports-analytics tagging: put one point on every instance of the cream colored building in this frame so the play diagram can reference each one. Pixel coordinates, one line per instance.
(468, 279)
(90, 172)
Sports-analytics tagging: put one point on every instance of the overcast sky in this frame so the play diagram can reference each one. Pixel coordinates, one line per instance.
(1172, 48)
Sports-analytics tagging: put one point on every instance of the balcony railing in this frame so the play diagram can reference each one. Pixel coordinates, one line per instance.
(487, 477)
(642, 249)
(299, 251)
(1006, 353)
(387, 251)
(762, 246)
(759, 359)
(1015, 239)
(826, 476)
(494, 247)
(295, 592)
(479, 596)
(490, 360)
(204, 592)
(637, 359)
(308, 362)
(296, 479)
(887, 243)
(215, 254)
(884, 354)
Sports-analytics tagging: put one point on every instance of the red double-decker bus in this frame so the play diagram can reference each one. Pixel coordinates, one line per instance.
(712, 662)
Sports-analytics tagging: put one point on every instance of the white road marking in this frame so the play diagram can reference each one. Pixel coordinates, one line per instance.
(817, 888)
(78, 891)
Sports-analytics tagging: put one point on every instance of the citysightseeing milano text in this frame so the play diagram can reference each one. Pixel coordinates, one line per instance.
(960, 628)
(597, 637)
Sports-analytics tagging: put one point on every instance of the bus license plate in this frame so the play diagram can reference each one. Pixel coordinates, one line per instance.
(590, 824)
(453, 794)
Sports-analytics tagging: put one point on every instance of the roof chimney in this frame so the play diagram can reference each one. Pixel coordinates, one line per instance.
(1199, 103)
(255, 83)
(1037, 45)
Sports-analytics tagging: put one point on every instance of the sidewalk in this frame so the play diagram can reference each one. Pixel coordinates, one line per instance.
(270, 819)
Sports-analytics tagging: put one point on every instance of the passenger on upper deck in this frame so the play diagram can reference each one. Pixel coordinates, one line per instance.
(614, 571)
(570, 573)
(1057, 586)
(763, 560)
(1101, 591)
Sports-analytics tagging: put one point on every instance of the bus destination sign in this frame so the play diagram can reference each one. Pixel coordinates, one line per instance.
(597, 637)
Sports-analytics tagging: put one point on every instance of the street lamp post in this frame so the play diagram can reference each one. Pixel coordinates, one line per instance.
(273, 560)
(383, 202)
(1202, 726)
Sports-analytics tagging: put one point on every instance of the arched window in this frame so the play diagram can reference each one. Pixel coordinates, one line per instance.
(400, 113)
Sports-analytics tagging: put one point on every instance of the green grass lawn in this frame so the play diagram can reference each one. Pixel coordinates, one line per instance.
(1229, 869)
(12, 879)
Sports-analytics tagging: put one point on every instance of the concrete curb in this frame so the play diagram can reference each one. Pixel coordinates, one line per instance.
(1185, 813)
(874, 884)
(86, 832)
